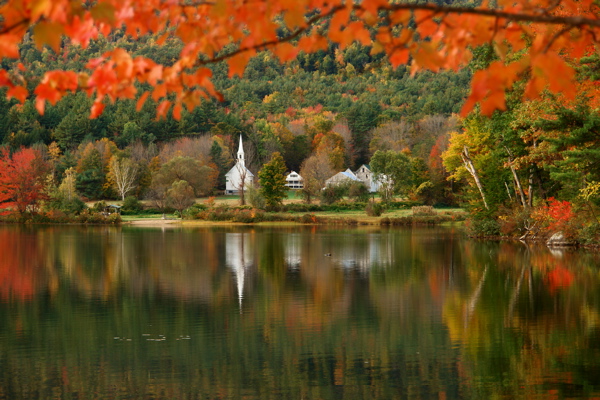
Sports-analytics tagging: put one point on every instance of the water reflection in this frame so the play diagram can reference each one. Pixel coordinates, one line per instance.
(303, 312)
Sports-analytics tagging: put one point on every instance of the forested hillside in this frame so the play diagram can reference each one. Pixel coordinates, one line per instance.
(345, 104)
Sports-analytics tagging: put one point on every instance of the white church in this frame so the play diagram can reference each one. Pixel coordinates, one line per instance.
(238, 176)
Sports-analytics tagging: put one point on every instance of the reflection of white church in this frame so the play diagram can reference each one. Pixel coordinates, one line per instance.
(239, 256)
(238, 176)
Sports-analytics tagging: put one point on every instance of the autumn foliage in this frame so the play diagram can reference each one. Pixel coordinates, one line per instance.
(425, 35)
(21, 180)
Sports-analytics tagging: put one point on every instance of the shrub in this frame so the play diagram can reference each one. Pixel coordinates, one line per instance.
(358, 191)
(589, 234)
(131, 205)
(194, 211)
(374, 209)
(100, 206)
(483, 227)
(333, 193)
(255, 198)
(423, 210)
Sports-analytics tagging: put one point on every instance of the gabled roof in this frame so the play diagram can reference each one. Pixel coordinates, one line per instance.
(235, 167)
(350, 174)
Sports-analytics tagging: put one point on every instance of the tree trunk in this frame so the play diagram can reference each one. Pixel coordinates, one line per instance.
(471, 168)
(530, 192)
(516, 178)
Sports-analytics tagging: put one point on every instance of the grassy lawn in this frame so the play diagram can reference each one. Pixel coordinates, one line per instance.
(137, 217)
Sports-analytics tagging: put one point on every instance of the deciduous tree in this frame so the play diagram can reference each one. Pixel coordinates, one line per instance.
(124, 173)
(180, 195)
(393, 170)
(272, 181)
(22, 179)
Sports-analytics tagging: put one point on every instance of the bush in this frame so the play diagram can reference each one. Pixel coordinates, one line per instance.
(589, 234)
(374, 209)
(73, 207)
(332, 193)
(131, 205)
(100, 206)
(423, 210)
(255, 198)
(484, 227)
(194, 211)
(358, 191)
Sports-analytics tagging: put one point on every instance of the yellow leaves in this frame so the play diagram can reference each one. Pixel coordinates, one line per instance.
(49, 33)
(103, 12)
(39, 8)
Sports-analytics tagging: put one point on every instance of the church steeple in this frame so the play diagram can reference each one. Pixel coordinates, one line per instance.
(240, 154)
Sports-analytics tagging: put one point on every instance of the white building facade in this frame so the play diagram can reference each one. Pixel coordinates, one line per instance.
(294, 181)
(239, 176)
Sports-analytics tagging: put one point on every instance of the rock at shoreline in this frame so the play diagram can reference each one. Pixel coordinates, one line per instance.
(559, 240)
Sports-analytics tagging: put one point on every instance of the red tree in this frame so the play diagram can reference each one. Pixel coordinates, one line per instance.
(22, 180)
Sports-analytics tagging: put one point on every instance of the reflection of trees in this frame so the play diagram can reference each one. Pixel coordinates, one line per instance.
(390, 314)
(23, 270)
(525, 330)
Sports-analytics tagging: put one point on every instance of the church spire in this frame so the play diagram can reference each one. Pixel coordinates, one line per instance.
(240, 154)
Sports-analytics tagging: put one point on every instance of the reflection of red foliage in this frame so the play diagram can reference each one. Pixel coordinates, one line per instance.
(558, 278)
(18, 265)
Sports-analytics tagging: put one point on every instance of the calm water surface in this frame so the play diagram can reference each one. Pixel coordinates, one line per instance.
(293, 313)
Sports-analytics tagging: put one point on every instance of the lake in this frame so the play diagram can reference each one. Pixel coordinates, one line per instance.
(293, 313)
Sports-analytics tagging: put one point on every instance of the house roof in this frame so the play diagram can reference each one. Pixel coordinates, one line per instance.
(293, 175)
(350, 174)
(248, 172)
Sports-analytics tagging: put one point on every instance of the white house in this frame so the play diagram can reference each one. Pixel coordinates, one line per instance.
(294, 181)
(342, 177)
(362, 174)
(238, 176)
(365, 174)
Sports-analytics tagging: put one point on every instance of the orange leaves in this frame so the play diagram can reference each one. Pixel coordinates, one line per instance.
(313, 43)
(488, 86)
(439, 37)
(53, 86)
(426, 26)
(18, 92)
(550, 70)
(237, 64)
(97, 109)
(9, 46)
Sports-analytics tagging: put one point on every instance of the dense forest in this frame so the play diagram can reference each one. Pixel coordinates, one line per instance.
(323, 112)
(343, 104)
